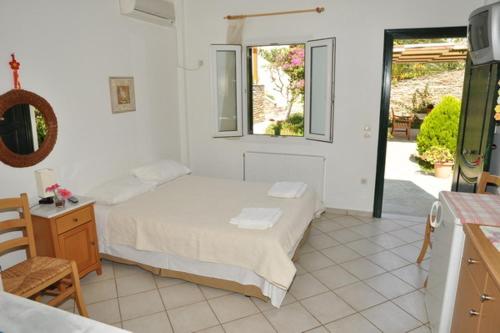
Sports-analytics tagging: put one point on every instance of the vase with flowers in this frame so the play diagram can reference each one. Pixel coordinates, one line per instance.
(60, 194)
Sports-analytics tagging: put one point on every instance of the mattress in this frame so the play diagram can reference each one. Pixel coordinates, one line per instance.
(184, 225)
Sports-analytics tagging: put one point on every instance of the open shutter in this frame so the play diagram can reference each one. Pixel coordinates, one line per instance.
(319, 89)
(225, 74)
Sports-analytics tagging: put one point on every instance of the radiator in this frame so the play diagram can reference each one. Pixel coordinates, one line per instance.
(272, 167)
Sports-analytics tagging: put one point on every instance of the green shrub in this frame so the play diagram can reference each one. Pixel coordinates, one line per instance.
(293, 126)
(440, 127)
(437, 154)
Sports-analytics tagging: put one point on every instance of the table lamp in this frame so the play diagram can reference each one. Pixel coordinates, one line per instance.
(45, 178)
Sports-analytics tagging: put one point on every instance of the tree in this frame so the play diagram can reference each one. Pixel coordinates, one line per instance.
(286, 67)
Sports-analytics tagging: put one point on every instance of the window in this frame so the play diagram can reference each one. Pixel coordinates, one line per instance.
(289, 89)
(276, 89)
(225, 63)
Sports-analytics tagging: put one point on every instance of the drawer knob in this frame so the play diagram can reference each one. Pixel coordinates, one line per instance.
(75, 219)
(473, 313)
(92, 243)
(471, 261)
(484, 298)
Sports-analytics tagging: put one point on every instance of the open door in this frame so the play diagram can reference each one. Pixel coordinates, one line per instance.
(477, 125)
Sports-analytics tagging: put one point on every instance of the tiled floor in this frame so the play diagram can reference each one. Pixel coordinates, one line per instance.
(354, 275)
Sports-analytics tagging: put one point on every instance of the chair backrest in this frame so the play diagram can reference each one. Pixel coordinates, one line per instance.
(484, 179)
(21, 206)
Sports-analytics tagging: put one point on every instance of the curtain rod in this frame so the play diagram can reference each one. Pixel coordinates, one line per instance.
(318, 10)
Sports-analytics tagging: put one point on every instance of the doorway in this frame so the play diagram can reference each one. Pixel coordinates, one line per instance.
(423, 77)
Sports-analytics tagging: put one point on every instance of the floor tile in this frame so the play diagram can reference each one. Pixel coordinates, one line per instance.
(352, 324)
(412, 274)
(414, 304)
(300, 269)
(335, 277)
(368, 229)
(407, 252)
(314, 260)
(213, 292)
(362, 268)
(323, 241)
(106, 312)
(387, 225)
(389, 285)
(193, 317)
(390, 319)
(264, 306)
(340, 254)
(345, 235)
(139, 305)
(360, 296)
(327, 307)
(256, 323)
(365, 247)
(347, 221)
(107, 273)
(122, 270)
(387, 241)
(181, 294)
(421, 329)
(305, 286)
(407, 235)
(291, 318)
(162, 281)
(315, 231)
(231, 307)
(99, 291)
(305, 248)
(328, 226)
(388, 260)
(215, 329)
(320, 329)
(136, 283)
(154, 323)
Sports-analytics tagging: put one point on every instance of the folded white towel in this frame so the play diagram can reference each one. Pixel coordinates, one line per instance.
(287, 190)
(257, 218)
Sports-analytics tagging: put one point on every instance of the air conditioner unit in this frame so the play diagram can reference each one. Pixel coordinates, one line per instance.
(154, 11)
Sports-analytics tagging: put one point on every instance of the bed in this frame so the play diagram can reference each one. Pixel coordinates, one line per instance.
(181, 229)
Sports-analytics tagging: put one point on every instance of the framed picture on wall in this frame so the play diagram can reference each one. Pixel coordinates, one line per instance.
(122, 94)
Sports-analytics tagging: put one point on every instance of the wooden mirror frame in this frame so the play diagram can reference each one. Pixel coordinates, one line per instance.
(20, 96)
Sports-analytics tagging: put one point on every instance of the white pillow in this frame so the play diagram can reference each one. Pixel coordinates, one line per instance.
(119, 190)
(161, 172)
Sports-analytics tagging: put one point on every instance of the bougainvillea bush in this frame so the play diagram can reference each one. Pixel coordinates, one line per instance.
(440, 127)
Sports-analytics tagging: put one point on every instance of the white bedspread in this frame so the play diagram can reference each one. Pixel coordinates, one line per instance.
(189, 217)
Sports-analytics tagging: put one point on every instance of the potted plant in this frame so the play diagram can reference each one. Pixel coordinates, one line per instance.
(441, 158)
(277, 127)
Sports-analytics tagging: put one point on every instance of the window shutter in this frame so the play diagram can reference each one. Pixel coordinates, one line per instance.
(225, 75)
(319, 89)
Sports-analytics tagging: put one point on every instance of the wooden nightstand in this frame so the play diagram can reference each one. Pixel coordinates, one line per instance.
(69, 233)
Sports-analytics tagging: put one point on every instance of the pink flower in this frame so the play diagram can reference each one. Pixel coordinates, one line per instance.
(64, 193)
(52, 187)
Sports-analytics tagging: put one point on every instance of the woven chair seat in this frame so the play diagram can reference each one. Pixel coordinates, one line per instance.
(32, 274)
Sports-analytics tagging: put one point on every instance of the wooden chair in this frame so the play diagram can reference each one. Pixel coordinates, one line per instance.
(483, 181)
(401, 124)
(36, 274)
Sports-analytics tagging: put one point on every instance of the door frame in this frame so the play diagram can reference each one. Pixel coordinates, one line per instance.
(389, 36)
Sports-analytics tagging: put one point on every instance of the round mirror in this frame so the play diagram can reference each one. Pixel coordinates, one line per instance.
(28, 128)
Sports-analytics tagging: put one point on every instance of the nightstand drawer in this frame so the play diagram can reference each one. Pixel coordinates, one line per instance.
(74, 219)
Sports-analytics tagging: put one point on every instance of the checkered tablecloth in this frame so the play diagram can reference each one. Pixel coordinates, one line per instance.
(475, 208)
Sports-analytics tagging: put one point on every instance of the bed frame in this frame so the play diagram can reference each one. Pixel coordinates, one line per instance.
(247, 290)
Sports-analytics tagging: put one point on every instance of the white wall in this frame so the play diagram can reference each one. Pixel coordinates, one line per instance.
(359, 27)
(67, 50)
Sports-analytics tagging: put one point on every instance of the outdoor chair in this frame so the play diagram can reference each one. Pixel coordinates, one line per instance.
(483, 181)
(401, 124)
(36, 274)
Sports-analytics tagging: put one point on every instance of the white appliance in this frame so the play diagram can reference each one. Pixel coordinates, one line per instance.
(447, 250)
(154, 11)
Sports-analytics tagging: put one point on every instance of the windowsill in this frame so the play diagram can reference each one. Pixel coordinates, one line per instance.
(263, 138)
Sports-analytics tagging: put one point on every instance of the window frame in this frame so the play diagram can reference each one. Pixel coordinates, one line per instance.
(214, 48)
(330, 43)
